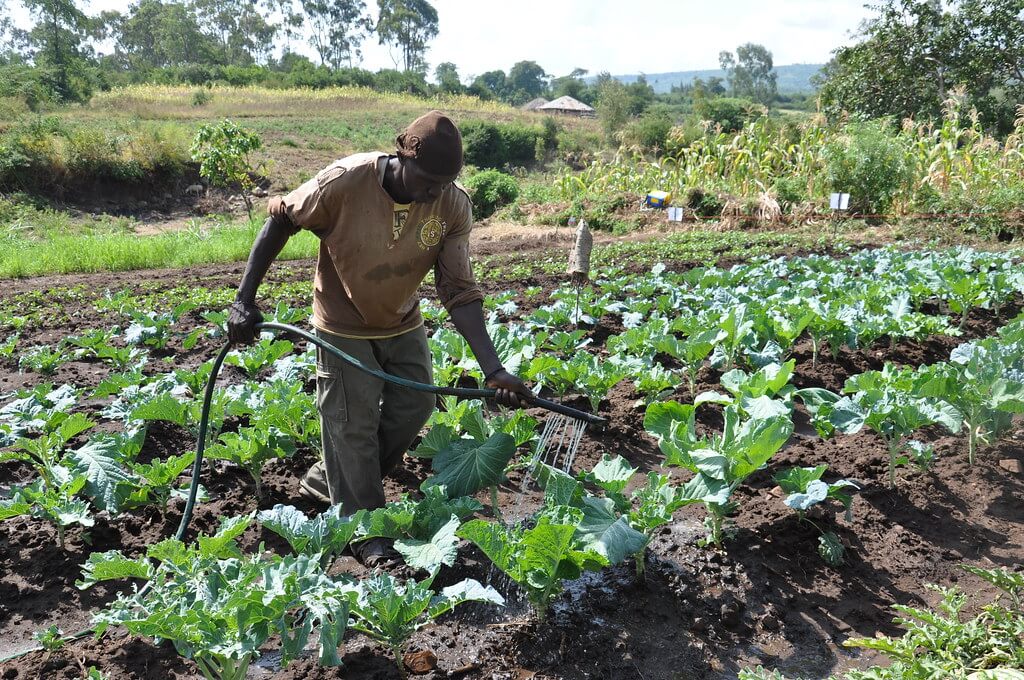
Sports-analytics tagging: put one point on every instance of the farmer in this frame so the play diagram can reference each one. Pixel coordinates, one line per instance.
(383, 222)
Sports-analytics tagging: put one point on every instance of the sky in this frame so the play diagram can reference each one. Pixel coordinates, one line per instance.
(642, 36)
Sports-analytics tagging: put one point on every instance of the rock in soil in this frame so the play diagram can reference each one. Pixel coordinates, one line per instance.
(420, 663)
(1011, 465)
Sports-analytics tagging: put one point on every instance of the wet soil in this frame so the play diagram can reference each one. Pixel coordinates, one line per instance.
(767, 597)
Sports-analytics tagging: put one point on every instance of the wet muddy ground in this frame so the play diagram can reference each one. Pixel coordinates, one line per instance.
(699, 613)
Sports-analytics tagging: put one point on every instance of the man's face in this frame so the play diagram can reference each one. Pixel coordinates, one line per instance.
(421, 185)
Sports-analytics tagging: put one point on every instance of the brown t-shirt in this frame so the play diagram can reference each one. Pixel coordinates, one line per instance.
(374, 254)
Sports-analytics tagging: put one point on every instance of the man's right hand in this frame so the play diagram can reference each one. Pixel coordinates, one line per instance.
(242, 320)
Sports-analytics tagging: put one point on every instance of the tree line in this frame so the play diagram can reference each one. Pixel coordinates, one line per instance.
(151, 36)
(907, 59)
(242, 42)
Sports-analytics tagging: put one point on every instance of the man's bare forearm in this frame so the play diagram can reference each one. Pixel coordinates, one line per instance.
(469, 321)
(268, 245)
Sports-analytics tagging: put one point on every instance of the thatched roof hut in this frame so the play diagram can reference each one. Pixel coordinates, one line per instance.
(567, 105)
(534, 104)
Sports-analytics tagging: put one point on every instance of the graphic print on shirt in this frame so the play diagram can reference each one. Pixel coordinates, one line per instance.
(399, 224)
(431, 232)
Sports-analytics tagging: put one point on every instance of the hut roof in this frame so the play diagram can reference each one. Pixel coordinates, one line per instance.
(566, 103)
(534, 104)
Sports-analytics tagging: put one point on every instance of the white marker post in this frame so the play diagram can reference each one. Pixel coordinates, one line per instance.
(838, 203)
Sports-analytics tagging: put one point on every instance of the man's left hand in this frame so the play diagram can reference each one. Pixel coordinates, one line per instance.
(511, 390)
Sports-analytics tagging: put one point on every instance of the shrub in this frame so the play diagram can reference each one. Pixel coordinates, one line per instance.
(683, 135)
(491, 190)
(989, 210)
(482, 143)
(790, 190)
(703, 203)
(650, 132)
(550, 133)
(500, 145)
(201, 97)
(732, 114)
(46, 152)
(223, 154)
(520, 143)
(870, 164)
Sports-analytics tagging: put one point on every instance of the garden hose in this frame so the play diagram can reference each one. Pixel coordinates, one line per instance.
(460, 392)
(204, 422)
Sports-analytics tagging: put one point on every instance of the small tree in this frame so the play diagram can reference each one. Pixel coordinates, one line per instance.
(222, 152)
(613, 103)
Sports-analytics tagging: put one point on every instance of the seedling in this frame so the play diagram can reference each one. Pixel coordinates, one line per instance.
(806, 490)
(390, 611)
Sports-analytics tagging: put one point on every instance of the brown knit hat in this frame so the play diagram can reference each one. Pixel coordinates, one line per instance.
(435, 143)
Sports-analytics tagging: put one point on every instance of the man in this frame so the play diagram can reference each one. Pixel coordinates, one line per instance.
(384, 221)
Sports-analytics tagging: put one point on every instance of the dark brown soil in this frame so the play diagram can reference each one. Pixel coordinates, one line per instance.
(699, 613)
(158, 198)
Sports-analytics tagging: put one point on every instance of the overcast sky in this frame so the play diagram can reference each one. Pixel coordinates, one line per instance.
(642, 36)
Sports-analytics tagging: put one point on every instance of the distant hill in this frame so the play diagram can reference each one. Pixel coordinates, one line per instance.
(792, 78)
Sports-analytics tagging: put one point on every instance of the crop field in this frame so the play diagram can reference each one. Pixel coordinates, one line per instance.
(793, 445)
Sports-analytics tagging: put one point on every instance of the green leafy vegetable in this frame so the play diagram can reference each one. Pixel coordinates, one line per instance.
(466, 466)
(322, 537)
(391, 611)
(538, 559)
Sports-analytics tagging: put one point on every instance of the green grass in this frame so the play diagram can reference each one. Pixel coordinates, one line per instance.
(84, 253)
(22, 218)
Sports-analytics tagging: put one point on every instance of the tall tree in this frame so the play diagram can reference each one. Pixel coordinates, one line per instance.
(912, 53)
(288, 20)
(154, 34)
(489, 85)
(242, 33)
(447, 76)
(337, 28)
(750, 72)
(409, 25)
(573, 86)
(641, 95)
(707, 89)
(526, 80)
(58, 40)
(13, 40)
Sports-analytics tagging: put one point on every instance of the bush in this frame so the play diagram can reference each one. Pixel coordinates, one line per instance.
(870, 164)
(520, 143)
(683, 135)
(48, 152)
(790, 190)
(201, 97)
(482, 143)
(650, 132)
(703, 203)
(500, 145)
(990, 210)
(491, 190)
(550, 133)
(222, 152)
(732, 114)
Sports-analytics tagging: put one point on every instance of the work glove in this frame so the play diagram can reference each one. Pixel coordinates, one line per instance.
(242, 320)
(511, 390)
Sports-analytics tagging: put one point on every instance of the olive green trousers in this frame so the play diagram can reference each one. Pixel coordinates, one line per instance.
(367, 425)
